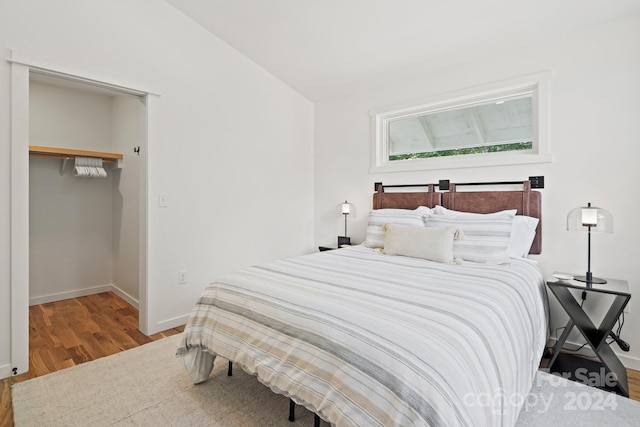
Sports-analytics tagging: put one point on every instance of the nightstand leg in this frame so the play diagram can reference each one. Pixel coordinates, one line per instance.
(560, 343)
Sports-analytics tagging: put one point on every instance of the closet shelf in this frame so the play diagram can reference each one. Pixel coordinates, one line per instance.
(71, 153)
(65, 154)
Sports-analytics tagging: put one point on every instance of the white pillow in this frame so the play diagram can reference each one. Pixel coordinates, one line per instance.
(441, 210)
(380, 217)
(484, 239)
(523, 231)
(523, 228)
(434, 244)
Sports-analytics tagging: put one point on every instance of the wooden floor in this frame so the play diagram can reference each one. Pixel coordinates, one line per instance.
(66, 333)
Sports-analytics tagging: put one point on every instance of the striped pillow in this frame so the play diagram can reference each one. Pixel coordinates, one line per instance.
(378, 218)
(484, 239)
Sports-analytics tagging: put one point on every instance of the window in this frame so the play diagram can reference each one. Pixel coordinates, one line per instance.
(498, 125)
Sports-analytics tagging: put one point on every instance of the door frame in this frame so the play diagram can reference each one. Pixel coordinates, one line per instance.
(20, 71)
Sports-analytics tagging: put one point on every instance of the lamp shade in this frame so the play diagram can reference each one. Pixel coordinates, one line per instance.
(590, 217)
(346, 208)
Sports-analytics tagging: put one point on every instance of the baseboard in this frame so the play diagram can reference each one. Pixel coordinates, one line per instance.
(629, 362)
(125, 296)
(163, 325)
(75, 293)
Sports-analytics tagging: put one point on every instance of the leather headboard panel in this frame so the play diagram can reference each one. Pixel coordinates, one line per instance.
(526, 202)
(382, 200)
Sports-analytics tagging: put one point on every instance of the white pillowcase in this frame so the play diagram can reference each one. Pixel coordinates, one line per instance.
(523, 231)
(484, 238)
(441, 210)
(434, 244)
(523, 228)
(378, 218)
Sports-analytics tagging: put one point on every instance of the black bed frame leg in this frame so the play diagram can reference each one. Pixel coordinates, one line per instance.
(292, 405)
(292, 414)
(292, 411)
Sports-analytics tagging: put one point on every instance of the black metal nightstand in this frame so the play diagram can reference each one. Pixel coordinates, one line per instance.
(608, 373)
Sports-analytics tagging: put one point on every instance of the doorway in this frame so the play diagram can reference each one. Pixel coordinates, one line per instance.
(22, 79)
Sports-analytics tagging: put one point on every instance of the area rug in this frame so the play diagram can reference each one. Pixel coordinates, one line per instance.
(147, 386)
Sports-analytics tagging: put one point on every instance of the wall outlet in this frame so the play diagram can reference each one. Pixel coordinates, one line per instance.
(182, 277)
(163, 200)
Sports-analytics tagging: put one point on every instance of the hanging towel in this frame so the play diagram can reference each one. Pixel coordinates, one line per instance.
(89, 167)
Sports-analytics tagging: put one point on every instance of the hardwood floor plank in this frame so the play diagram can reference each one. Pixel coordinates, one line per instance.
(6, 411)
(47, 311)
(74, 331)
(91, 345)
(79, 355)
(633, 377)
(65, 333)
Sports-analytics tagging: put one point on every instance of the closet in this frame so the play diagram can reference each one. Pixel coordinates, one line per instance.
(83, 231)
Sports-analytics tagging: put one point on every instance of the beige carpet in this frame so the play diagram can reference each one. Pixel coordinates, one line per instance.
(147, 386)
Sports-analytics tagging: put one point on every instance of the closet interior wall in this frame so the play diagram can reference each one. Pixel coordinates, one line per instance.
(83, 233)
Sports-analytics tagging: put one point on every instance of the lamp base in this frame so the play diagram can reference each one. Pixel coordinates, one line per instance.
(592, 280)
(344, 240)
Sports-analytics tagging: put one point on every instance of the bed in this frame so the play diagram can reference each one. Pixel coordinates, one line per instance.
(364, 338)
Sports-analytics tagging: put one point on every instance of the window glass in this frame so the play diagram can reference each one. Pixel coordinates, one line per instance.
(484, 127)
(504, 125)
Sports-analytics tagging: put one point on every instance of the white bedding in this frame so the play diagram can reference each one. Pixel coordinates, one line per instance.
(366, 339)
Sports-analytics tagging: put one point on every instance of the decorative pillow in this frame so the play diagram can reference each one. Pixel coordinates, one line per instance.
(523, 231)
(484, 239)
(380, 217)
(434, 244)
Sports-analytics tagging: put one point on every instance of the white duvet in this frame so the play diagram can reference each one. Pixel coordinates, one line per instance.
(365, 339)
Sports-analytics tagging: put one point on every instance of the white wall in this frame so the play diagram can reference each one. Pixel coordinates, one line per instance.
(226, 140)
(70, 219)
(127, 125)
(83, 232)
(594, 136)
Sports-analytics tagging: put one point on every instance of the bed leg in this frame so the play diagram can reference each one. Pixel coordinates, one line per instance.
(292, 411)
(316, 420)
(230, 369)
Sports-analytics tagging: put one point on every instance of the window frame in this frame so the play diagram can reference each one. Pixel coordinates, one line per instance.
(535, 84)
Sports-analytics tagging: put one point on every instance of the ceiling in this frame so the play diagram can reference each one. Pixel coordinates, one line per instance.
(328, 48)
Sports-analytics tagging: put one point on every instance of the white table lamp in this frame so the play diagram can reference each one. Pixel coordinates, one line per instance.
(346, 209)
(590, 218)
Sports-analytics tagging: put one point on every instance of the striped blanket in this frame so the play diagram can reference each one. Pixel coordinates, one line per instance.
(365, 339)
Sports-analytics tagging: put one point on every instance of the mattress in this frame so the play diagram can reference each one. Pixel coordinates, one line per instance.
(367, 339)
